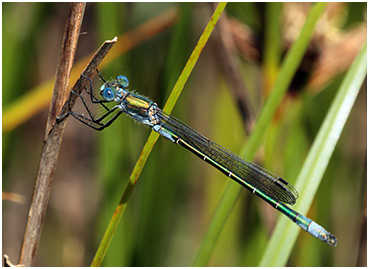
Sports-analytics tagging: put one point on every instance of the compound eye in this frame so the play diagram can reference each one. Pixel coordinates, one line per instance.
(108, 94)
(123, 81)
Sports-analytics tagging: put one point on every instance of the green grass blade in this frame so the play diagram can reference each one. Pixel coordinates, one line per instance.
(233, 189)
(273, 44)
(286, 232)
(193, 59)
(153, 137)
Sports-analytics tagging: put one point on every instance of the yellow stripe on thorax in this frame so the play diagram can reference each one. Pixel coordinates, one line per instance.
(137, 103)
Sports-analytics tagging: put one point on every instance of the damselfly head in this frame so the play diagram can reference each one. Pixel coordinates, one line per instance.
(114, 90)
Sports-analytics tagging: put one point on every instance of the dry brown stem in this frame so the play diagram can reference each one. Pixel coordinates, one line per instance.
(54, 131)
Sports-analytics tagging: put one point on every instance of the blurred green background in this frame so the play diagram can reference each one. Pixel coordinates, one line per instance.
(177, 193)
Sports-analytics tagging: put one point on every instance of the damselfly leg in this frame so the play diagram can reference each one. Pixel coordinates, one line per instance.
(102, 116)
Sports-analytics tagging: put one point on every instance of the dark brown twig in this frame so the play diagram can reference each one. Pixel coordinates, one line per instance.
(54, 131)
(42, 189)
(49, 155)
(68, 50)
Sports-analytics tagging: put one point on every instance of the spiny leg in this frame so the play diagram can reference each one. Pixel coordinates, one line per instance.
(92, 121)
(95, 124)
(94, 99)
(92, 118)
(100, 76)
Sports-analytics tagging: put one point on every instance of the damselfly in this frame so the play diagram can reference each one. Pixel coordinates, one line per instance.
(115, 99)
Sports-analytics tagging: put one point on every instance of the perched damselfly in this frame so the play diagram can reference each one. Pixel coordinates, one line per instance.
(115, 99)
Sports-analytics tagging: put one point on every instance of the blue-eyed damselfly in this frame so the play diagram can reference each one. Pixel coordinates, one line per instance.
(115, 99)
